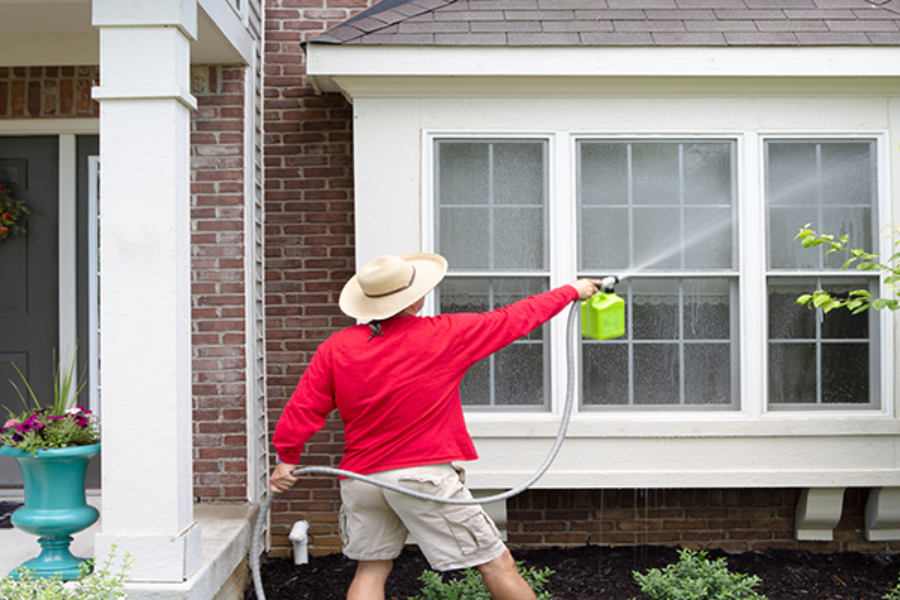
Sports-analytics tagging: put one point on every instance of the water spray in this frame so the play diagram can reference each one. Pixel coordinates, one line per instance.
(606, 318)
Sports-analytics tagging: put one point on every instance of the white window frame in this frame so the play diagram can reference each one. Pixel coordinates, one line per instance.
(751, 269)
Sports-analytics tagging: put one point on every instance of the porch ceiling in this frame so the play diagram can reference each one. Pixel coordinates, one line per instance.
(59, 32)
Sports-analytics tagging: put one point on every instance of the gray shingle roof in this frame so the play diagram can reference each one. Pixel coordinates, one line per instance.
(623, 23)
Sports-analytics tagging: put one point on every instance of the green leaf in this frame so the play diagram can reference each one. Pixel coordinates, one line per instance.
(820, 298)
(880, 303)
(831, 305)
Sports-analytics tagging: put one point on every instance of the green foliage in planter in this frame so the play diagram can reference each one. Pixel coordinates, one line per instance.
(102, 584)
(471, 587)
(695, 577)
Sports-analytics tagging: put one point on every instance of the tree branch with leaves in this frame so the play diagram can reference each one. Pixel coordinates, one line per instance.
(856, 301)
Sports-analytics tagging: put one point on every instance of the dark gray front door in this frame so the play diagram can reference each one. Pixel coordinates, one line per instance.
(29, 279)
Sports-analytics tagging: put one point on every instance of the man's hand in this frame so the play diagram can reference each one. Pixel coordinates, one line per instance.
(586, 287)
(282, 480)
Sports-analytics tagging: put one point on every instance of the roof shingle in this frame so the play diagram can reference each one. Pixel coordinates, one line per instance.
(623, 23)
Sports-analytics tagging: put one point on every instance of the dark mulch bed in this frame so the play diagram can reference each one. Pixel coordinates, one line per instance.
(594, 572)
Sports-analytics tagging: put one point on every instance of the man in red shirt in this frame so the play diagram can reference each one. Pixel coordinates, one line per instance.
(395, 382)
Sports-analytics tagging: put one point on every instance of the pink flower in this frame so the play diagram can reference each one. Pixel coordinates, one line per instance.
(11, 423)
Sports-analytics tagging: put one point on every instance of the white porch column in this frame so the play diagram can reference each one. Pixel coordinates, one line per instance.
(145, 107)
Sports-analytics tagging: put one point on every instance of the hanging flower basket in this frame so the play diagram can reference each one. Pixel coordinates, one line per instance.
(12, 214)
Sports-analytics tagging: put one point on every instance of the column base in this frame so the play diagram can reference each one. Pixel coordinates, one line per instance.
(157, 558)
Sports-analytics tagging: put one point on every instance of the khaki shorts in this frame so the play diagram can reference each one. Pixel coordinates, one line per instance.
(375, 521)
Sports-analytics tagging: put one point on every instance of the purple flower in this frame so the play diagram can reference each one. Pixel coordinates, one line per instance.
(32, 423)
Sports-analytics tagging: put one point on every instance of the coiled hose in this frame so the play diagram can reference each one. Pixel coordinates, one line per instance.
(551, 456)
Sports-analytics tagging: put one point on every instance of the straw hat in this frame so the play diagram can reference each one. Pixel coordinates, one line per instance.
(388, 284)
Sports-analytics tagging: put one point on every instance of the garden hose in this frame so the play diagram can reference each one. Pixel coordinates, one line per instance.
(551, 456)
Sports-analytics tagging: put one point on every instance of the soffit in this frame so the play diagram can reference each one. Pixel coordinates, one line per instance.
(60, 32)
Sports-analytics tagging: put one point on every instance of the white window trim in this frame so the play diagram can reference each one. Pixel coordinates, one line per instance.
(751, 269)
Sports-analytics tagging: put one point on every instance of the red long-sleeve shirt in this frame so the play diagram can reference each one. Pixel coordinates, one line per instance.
(398, 394)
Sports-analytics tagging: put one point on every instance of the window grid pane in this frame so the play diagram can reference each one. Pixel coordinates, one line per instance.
(817, 360)
(491, 198)
(679, 349)
(660, 205)
(516, 377)
(830, 184)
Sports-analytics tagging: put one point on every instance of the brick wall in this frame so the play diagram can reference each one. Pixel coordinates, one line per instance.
(217, 260)
(309, 240)
(734, 520)
(47, 92)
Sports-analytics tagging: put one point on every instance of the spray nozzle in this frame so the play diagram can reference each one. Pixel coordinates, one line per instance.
(608, 284)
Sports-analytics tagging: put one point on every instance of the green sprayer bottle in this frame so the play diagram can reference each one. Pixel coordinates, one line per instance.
(603, 314)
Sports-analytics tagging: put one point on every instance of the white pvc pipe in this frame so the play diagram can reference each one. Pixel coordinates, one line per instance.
(299, 537)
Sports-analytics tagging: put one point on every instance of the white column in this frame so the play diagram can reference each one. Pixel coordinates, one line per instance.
(145, 352)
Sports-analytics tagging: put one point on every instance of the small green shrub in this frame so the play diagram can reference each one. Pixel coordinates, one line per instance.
(695, 577)
(470, 586)
(894, 594)
(102, 584)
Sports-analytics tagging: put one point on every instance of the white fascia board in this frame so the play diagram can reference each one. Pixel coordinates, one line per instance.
(335, 60)
(336, 67)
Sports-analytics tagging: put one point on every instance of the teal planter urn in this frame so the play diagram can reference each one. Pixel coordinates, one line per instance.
(55, 505)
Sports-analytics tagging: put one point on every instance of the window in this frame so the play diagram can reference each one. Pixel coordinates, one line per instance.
(491, 219)
(664, 215)
(661, 214)
(817, 362)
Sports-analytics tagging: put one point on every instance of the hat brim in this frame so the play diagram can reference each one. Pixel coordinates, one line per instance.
(430, 270)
